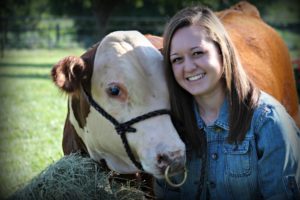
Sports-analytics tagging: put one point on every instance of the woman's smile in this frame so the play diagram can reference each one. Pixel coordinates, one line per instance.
(196, 77)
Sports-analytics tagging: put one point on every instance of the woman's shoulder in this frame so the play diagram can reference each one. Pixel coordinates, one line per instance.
(267, 104)
(269, 110)
(266, 100)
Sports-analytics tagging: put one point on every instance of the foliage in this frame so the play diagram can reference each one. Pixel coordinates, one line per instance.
(28, 10)
(92, 19)
(283, 12)
(292, 41)
(48, 33)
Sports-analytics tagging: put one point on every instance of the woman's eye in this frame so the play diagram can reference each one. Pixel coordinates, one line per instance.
(198, 53)
(176, 60)
(113, 90)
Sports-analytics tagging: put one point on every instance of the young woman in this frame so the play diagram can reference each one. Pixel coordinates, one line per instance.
(241, 143)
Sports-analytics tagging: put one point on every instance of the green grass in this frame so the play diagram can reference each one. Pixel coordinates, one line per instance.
(32, 115)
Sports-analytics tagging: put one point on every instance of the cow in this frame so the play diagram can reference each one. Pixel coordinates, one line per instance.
(263, 53)
(118, 106)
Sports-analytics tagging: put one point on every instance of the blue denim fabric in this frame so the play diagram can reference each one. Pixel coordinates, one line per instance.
(265, 165)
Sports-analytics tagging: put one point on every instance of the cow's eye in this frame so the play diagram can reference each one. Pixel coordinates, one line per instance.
(117, 91)
(113, 90)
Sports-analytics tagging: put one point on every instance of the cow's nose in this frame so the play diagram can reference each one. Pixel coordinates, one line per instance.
(175, 160)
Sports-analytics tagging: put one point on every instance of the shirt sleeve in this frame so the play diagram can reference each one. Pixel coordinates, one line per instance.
(278, 149)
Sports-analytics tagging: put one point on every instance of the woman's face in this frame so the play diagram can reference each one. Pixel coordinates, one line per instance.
(196, 61)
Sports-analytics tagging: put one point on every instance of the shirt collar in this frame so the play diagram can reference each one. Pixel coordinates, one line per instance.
(221, 121)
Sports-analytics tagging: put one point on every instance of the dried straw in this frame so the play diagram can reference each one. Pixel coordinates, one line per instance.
(76, 177)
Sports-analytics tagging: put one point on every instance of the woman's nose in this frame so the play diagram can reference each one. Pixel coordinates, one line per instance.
(189, 65)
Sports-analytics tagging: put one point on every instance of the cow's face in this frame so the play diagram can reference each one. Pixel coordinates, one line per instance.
(127, 80)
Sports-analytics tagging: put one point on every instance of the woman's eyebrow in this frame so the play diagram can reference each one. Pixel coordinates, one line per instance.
(197, 47)
(173, 54)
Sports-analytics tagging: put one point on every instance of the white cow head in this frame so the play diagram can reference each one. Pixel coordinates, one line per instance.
(124, 74)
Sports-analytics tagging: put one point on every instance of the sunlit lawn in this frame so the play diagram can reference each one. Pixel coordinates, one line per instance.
(32, 114)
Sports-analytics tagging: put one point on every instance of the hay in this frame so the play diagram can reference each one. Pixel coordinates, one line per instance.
(76, 177)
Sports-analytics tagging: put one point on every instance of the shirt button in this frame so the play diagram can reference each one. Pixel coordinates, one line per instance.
(292, 182)
(211, 184)
(218, 129)
(214, 156)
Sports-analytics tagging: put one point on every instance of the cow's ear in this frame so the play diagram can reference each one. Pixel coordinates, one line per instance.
(156, 41)
(68, 72)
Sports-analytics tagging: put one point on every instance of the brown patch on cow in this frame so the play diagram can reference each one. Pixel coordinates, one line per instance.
(80, 108)
(242, 7)
(71, 141)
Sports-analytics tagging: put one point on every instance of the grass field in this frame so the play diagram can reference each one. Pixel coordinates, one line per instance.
(32, 114)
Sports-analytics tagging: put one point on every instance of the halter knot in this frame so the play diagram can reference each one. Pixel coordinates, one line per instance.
(123, 128)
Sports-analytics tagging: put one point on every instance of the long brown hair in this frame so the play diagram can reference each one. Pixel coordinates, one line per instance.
(241, 93)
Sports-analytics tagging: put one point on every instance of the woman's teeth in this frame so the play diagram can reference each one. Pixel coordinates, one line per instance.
(196, 77)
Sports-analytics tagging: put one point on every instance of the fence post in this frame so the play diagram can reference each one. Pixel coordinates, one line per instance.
(57, 29)
(49, 36)
(3, 35)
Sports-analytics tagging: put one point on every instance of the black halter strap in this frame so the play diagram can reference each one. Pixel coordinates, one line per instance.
(122, 128)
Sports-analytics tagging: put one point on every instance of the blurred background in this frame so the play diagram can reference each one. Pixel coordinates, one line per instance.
(36, 34)
(52, 24)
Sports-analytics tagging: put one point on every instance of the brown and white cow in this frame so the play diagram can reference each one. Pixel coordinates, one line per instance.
(125, 76)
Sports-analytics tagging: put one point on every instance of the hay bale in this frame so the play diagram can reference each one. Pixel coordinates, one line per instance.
(76, 177)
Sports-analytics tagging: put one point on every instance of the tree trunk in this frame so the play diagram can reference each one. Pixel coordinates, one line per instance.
(102, 10)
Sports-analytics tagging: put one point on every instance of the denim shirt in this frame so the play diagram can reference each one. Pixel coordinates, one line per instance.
(265, 165)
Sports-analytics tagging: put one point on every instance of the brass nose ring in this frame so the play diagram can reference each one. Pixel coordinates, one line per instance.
(170, 182)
